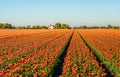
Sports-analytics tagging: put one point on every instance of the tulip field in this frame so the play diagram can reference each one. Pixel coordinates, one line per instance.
(60, 53)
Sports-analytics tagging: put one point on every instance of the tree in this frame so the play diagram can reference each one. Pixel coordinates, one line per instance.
(102, 27)
(44, 27)
(5, 26)
(109, 26)
(65, 26)
(36, 27)
(10, 26)
(58, 25)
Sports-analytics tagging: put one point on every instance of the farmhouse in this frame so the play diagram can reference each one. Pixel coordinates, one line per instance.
(51, 27)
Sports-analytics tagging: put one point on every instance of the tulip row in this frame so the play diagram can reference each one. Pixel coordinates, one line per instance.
(14, 42)
(105, 50)
(111, 34)
(38, 62)
(26, 43)
(80, 60)
(15, 55)
(105, 45)
(64, 53)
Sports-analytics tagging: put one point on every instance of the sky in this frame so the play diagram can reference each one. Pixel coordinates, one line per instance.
(72, 12)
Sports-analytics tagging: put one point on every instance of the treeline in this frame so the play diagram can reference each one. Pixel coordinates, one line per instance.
(9, 26)
(97, 27)
(6, 26)
(32, 27)
(56, 26)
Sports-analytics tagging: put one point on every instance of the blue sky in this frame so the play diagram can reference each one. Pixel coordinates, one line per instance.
(73, 12)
